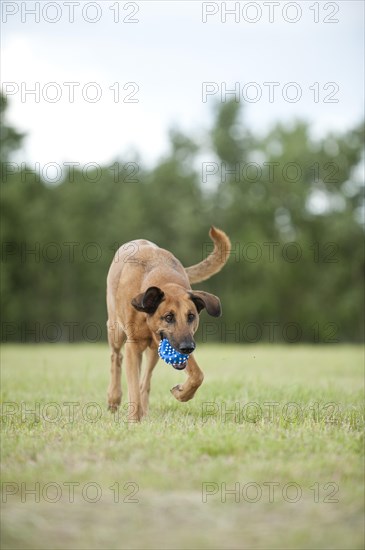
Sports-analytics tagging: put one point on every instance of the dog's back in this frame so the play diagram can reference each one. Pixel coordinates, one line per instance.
(143, 255)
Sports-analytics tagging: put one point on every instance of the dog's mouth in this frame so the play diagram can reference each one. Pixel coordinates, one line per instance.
(179, 364)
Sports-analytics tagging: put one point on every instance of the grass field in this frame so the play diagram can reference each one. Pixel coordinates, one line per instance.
(281, 426)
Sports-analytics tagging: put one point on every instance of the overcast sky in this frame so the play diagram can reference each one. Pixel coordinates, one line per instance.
(167, 54)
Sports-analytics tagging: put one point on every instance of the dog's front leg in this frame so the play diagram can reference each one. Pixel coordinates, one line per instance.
(116, 337)
(133, 359)
(152, 358)
(186, 391)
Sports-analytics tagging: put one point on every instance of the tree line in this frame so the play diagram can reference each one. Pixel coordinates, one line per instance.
(291, 205)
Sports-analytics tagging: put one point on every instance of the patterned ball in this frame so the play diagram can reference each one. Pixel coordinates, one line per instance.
(171, 356)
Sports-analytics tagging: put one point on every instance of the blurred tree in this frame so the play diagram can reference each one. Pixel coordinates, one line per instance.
(10, 139)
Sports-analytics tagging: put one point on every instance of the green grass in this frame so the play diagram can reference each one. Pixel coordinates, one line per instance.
(315, 445)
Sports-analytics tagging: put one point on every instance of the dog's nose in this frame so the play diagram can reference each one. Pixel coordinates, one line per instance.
(187, 347)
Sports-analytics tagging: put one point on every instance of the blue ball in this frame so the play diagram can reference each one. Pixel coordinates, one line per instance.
(171, 356)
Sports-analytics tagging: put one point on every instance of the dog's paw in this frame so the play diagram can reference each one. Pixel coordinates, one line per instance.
(114, 399)
(113, 403)
(177, 391)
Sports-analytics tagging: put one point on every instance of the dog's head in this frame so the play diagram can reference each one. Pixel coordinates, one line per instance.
(173, 313)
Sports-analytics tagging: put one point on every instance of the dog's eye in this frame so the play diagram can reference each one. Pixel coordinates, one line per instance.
(169, 318)
(191, 317)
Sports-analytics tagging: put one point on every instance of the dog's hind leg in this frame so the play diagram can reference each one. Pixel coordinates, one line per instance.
(152, 358)
(186, 391)
(116, 338)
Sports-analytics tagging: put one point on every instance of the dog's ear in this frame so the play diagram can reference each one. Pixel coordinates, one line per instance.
(148, 301)
(205, 300)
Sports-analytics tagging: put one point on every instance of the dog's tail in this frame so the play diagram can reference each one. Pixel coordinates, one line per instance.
(216, 259)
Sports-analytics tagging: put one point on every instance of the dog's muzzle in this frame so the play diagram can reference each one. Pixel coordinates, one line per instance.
(171, 356)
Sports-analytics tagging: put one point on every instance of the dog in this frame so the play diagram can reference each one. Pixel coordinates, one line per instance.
(149, 298)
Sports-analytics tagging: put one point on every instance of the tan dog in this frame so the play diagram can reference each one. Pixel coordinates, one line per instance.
(149, 298)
